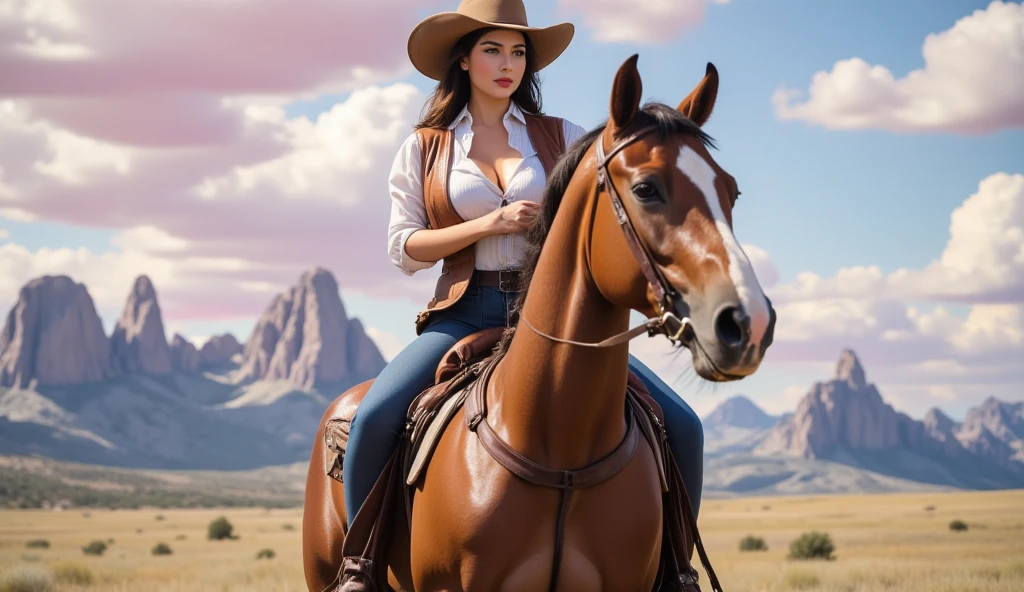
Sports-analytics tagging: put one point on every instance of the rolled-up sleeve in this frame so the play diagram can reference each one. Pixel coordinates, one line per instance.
(408, 210)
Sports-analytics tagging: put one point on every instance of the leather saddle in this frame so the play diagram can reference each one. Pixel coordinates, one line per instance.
(457, 361)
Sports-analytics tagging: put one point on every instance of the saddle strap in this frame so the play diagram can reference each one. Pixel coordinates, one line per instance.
(565, 481)
(506, 456)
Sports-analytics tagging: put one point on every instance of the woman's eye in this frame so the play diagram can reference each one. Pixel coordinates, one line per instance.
(645, 191)
(520, 53)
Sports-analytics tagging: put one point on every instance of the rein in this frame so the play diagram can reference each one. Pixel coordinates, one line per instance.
(667, 322)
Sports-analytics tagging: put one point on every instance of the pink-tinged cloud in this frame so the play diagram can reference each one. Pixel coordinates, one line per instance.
(297, 193)
(970, 83)
(156, 73)
(646, 23)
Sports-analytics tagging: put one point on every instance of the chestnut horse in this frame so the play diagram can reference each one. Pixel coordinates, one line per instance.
(636, 216)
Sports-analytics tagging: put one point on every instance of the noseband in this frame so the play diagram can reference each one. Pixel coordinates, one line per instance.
(667, 322)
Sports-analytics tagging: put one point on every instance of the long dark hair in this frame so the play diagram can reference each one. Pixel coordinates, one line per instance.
(452, 92)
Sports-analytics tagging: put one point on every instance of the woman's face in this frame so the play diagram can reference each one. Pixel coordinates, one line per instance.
(496, 63)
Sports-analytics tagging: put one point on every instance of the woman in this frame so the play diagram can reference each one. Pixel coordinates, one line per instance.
(486, 59)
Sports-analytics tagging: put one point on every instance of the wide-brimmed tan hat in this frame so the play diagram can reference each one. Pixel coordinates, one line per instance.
(431, 41)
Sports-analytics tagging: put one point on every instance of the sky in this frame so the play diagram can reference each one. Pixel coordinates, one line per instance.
(223, 148)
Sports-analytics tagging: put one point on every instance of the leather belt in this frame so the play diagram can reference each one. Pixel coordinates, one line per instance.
(506, 280)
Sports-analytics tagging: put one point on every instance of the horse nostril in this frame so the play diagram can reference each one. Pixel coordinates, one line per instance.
(731, 326)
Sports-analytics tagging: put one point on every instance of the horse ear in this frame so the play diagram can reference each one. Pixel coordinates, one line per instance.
(626, 91)
(698, 105)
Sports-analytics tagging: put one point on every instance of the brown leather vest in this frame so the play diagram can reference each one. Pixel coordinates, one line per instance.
(436, 149)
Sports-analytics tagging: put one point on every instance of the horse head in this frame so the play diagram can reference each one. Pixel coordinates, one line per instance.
(663, 241)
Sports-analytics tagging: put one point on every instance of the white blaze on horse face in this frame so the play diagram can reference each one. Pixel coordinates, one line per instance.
(741, 271)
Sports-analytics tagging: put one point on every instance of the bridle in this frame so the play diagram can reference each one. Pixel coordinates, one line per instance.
(667, 322)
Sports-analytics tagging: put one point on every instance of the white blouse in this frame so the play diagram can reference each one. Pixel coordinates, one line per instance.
(472, 194)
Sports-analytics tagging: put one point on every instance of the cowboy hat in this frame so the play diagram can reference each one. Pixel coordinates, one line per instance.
(431, 41)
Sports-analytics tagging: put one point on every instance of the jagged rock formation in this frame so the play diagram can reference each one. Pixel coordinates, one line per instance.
(53, 336)
(184, 355)
(305, 337)
(219, 350)
(138, 344)
(846, 419)
(843, 412)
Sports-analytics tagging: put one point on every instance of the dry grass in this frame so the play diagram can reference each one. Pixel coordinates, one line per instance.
(887, 543)
(884, 543)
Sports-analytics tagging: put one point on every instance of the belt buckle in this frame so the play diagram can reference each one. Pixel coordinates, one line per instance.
(507, 284)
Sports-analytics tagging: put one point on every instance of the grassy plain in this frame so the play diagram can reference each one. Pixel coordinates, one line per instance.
(891, 543)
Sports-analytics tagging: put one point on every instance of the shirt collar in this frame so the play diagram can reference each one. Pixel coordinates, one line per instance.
(513, 111)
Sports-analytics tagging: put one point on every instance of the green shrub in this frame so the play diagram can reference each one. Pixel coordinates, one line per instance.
(38, 544)
(812, 545)
(72, 574)
(265, 554)
(958, 526)
(162, 549)
(753, 543)
(95, 548)
(220, 529)
(26, 579)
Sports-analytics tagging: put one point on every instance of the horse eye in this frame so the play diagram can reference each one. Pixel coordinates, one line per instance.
(645, 191)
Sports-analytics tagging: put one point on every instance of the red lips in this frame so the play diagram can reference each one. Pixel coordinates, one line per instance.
(504, 82)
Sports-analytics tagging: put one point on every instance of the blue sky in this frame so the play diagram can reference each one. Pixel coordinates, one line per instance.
(815, 199)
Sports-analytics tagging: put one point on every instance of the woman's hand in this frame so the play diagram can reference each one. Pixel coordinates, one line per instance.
(513, 218)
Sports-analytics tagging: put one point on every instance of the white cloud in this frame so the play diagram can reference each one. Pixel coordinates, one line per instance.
(5, 234)
(648, 22)
(983, 261)
(970, 83)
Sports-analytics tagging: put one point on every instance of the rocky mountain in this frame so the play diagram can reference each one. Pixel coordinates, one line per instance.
(53, 336)
(304, 337)
(843, 412)
(1003, 421)
(184, 355)
(138, 344)
(68, 392)
(219, 350)
(846, 420)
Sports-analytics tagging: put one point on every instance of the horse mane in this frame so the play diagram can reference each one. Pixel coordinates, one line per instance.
(667, 120)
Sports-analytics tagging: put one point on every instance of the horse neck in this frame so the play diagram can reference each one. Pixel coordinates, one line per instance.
(563, 405)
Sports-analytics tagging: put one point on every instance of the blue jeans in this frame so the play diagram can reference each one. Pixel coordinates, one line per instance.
(380, 420)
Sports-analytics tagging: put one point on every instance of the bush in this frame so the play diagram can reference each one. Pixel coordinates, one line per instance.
(162, 549)
(72, 574)
(26, 579)
(812, 545)
(753, 543)
(220, 529)
(95, 548)
(38, 544)
(958, 526)
(265, 554)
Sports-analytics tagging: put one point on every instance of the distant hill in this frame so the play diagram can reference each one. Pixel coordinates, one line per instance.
(736, 425)
(43, 483)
